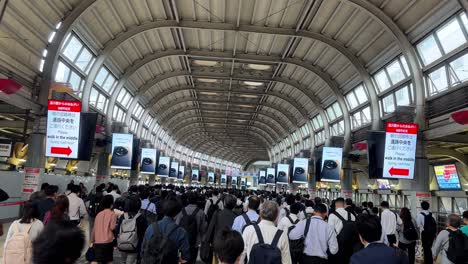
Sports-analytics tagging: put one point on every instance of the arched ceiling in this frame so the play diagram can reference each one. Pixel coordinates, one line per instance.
(225, 77)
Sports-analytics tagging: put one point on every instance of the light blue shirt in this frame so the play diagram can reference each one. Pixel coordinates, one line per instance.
(239, 222)
(149, 206)
(320, 237)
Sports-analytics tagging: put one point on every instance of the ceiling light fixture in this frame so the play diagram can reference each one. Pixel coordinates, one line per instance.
(208, 93)
(250, 83)
(259, 67)
(205, 63)
(248, 96)
(206, 80)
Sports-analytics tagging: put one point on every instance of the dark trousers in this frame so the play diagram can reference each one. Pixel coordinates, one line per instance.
(313, 260)
(193, 255)
(410, 249)
(427, 247)
(391, 240)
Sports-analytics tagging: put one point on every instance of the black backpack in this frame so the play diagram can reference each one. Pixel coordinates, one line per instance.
(94, 202)
(430, 225)
(212, 209)
(150, 216)
(248, 222)
(265, 253)
(457, 251)
(189, 223)
(348, 238)
(296, 246)
(160, 249)
(410, 232)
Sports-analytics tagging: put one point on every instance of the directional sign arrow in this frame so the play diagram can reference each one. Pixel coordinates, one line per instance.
(397, 171)
(63, 151)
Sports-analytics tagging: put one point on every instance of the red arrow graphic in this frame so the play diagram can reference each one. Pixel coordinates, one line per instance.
(400, 172)
(63, 151)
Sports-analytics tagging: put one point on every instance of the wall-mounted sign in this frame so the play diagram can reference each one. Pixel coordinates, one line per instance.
(5, 148)
(174, 171)
(163, 166)
(31, 180)
(282, 174)
(270, 176)
(122, 151)
(331, 164)
(447, 177)
(63, 129)
(211, 177)
(181, 173)
(148, 161)
(262, 178)
(400, 150)
(195, 176)
(223, 179)
(300, 170)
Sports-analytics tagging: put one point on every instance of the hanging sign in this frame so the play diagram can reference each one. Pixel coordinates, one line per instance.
(174, 171)
(400, 150)
(300, 170)
(148, 161)
(282, 174)
(31, 180)
(181, 173)
(122, 151)
(63, 129)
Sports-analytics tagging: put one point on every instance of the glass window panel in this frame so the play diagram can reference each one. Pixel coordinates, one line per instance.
(451, 36)
(62, 72)
(93, 96)
(101, 77)
(361, 94)
(395, 72)
(382, 81)
(405, 65)
(366, 115)
(464, 20)
(75, 81)
(124, 98)
(388, 104)
(402, 96)
(331, 113)
(428, 50)
(352, 101)
(437, 81)
(460, 69)
(109, 83)
(102, 103)
(73, 48)
(356, 118)
(90, 63)
(83, 60)
(461, 204)
(337, 109)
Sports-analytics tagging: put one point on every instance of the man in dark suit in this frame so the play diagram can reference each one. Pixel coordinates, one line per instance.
(374, 251)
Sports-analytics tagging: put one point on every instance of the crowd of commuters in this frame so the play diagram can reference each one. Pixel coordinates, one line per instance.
(170, 224)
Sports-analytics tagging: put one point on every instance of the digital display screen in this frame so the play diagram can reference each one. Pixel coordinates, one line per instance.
(331, 164)
(262, 178)
(447, 177)
(122, 151)
(282, 174)
(383, 184)
(300, 170)
(163, 166)
(211, 177)
(270, 177)
(148, 161)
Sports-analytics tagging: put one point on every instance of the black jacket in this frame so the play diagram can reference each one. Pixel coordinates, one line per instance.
(221, 219)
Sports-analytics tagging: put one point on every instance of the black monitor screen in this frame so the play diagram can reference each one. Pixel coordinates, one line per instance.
(375, 153)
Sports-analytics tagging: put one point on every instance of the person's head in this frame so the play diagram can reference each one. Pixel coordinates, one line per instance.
(51, 191)
(192, 198)
(254, 203)
(453, 221)
(375, 210)
(290, 199)
(405, 215)
(465, 217)
(364, 204)
(295, 208)
(298, 198)
(309, 203)
(132, 205)
(75, 188)
(339, 202)
(172, 207)
(144, 194)
(60, 242)
(317, 200)
(115, 188)
(30, 213)
(230, 201)
(349, 202)
(370, 205)
(107, 202)
(269, 211)
(384, 205)
(425, 205)
(60, 208)
(228, 247)
(215, 192)
(44, 186)
(369, 228)
(320, 210)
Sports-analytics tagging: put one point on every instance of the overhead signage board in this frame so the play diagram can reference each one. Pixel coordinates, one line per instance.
(223, 179)
(300, 170)
(122, 151)
(234, 181)
(195, 176)
(447, 177)
(282, 174)
(181, 173)
(148, 161)
(163, 166)
(174, 171)
(400, 150)
(262, 179)
(211, 177)
(331, 164)
(270, 176)
(63, 129)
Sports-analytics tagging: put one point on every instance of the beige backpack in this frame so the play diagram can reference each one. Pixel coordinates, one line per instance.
(18, 249)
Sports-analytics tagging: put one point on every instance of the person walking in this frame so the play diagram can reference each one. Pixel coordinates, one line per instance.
(389, 221)
(251, 216)
(102, 237)
(444, 239)
(428, 228)
(408, 234)
(59, 212)
(76, 207)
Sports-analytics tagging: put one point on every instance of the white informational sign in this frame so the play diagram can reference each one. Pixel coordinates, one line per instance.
(223, 179)
(63, 129)
(262, 178)
(300, 170)
(282, 174)
(148, 161)
(174, 171)
(163, 166)
(331, 164)
(31, 180)
(400, 150)
(5, 149)
(181, 173)
(211, 177)
(270, 176)
(195, 176)
(122, 151)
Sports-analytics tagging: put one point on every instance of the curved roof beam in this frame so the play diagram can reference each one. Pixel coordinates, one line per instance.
(407, 48)
(203, 135)
(252, 137)
(206, 146)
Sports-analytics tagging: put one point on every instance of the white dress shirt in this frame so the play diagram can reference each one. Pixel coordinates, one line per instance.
(335, 222)
(285, 223)
(76, 207)
(115, 195)
(268, 230)
(320, 237)
(389, 221)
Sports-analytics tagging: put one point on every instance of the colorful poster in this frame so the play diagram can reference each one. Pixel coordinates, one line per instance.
(282, 174)
(122, 151)
(400, 150)
(148, 161)
(447, 177)
(300, 170)
(331, 164)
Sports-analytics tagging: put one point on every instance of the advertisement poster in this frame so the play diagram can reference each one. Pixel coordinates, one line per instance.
(282, 174)
(163, 166)
(211, 177)
(63, 129)
(262, 178)
(148, 161)
(300, 170)
(174, 170)
(181, 173)
(331, 164)
(122, 151)
(5, 148)
(447, 177)
(31, 180)
(195, 176)
(234, 181)
(223, 179)
(270, 176)
(400, 150)
(243, 182)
